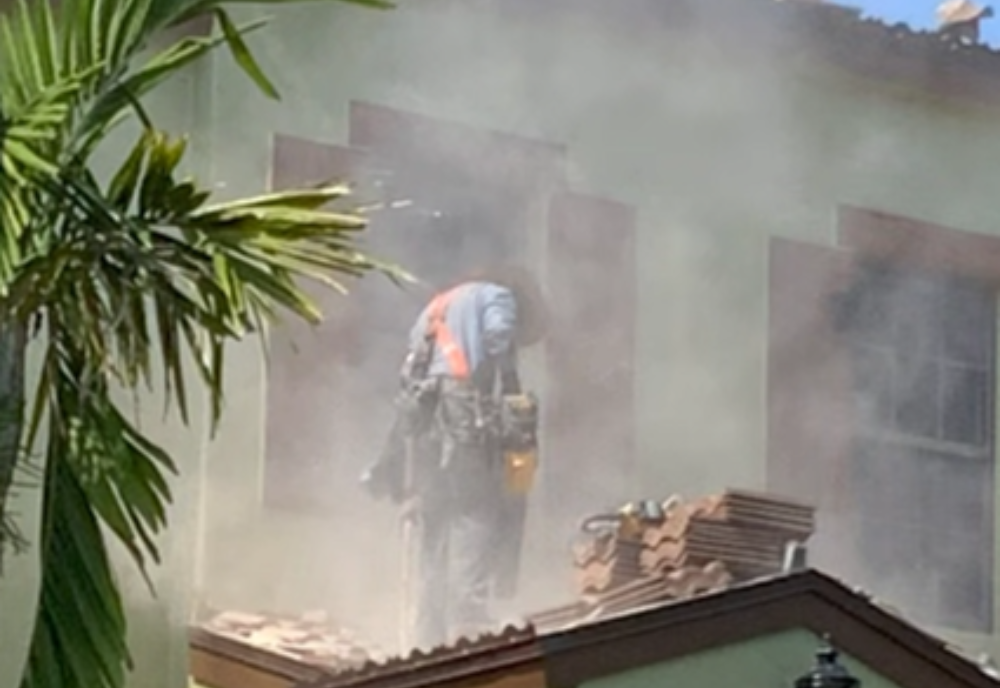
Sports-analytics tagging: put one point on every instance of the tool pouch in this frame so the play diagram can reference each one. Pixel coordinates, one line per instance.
(416, 407)
(466, 414)
(519, 441)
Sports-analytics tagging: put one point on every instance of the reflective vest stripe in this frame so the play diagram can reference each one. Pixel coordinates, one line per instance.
(458, 365)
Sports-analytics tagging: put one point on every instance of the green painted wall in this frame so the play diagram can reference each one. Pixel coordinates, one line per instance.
(774, 661)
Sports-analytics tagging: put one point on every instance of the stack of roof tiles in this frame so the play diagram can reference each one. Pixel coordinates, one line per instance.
(691, 548)
(309, 638)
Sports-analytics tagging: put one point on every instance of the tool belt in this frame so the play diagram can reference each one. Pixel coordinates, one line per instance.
(519, 440)
(453, 407)
(506, 426)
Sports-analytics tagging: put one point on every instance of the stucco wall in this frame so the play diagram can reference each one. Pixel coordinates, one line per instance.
(774, 660)
(715, 155)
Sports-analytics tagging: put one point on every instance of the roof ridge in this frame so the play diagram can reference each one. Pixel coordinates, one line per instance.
(510, 635)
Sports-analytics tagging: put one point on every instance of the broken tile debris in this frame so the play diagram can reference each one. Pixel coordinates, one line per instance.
(309, 638)
(631, 559)
(676, 550)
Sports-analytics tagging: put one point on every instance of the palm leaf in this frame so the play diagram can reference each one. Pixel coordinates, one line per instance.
(180, 11)
(12, 352)
(207, 270)
(132, 276)
(79, 635)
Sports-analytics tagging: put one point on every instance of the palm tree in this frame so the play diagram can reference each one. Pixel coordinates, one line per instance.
(123, 283)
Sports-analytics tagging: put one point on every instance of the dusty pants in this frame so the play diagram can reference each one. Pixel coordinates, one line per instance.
(458, 523)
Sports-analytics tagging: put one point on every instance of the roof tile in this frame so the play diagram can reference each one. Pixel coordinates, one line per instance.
(484, 646)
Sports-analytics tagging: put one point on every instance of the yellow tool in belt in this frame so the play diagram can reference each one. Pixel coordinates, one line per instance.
(519, 416)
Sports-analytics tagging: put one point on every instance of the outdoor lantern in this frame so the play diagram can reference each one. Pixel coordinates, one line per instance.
(828, 672)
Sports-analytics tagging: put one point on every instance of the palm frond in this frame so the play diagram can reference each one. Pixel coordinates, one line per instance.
(119, 98)
(128, 277)
(146, 268)
(30, 137)
(12, 344)
(79, 634)
(181, 11)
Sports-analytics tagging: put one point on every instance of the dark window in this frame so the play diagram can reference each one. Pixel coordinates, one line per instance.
(923, 352)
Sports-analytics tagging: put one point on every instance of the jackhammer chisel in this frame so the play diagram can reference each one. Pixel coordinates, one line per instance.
(408, 553)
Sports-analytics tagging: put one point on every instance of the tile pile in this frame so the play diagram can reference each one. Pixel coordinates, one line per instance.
(309, 638)
(679, 549)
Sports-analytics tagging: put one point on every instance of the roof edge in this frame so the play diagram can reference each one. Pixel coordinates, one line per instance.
(809, 600)
(513, 647)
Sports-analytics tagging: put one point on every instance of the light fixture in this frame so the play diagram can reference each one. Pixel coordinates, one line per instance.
(828, 672)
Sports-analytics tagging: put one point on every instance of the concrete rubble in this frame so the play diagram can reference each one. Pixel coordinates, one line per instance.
(644, 554)
(309, 638)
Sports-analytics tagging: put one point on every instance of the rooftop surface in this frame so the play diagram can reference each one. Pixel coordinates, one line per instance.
(859, 625)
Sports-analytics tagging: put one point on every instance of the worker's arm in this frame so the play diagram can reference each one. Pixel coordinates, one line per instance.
(499, 328)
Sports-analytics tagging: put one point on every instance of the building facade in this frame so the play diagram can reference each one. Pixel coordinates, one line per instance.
(768, 233)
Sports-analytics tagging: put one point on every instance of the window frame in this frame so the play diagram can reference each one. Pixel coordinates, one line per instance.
(811, 437)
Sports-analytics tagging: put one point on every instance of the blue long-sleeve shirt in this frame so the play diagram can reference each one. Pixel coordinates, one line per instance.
(482, 318)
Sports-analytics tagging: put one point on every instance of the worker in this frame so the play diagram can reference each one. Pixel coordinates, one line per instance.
(462, 363)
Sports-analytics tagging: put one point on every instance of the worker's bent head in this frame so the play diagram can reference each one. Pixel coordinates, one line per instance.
(532, 309)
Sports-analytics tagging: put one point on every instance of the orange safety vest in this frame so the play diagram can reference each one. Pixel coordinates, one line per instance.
(458, 364)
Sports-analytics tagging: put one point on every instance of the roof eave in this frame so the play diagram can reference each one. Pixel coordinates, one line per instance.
(808, 599)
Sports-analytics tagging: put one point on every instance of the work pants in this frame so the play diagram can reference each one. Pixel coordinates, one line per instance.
(458, 534)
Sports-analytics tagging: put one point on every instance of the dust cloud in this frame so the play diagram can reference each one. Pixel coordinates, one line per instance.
(704, 119)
